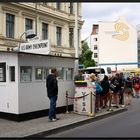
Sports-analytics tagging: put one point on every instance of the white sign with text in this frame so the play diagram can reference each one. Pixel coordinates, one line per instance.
(38, 47)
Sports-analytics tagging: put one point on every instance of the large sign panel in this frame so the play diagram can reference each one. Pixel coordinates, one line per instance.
(38, 47)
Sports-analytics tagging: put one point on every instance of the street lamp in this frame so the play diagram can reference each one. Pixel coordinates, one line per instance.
(29, 34)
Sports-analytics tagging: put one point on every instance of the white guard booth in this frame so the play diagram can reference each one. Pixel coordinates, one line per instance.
(23, 81)
(84, 100)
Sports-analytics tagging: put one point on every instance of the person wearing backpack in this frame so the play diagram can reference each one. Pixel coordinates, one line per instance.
(98, 90)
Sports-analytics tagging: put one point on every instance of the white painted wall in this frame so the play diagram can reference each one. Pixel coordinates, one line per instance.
(8, 89)
(33, 95)
(112, 50)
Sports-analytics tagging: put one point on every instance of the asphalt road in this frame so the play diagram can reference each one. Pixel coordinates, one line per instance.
(126, 124)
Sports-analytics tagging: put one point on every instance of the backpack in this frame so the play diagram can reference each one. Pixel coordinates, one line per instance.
(98, 88)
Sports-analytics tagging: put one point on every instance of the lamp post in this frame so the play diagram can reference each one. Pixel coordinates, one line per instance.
(29, 34)
(76, 40)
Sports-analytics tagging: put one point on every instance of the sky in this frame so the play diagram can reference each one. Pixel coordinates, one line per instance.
(94, 12)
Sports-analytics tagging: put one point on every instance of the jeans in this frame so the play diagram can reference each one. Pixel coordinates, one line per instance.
(52, 110)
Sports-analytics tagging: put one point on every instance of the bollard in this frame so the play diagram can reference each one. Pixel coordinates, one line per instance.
(91, 112)
(67, 104)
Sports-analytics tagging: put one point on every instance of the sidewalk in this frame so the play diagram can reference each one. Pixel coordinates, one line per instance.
(41, 127)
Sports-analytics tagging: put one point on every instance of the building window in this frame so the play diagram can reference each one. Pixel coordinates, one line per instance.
(58, 6)
(71, 8)
(95, 47)
(95, 55)
(25, 73)
(44, 31)
(71, 36)
(69, 74)
(60, 73)
(10, 19)
(58, 35)
(2, 72)
(38, 73)
(95, 39)
(47, 71)
(95, 29)
(28, 24)
(12, 73)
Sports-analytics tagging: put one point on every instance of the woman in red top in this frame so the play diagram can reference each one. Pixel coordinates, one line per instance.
(136, 86)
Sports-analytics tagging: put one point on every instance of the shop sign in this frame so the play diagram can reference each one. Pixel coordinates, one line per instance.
(38, 47)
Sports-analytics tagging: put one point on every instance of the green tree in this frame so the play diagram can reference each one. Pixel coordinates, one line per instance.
(86, 56)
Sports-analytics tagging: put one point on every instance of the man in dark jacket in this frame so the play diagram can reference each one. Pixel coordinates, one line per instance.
(52, 93)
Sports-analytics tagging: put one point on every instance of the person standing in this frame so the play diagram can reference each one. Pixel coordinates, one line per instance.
(104, 96)
(79, 76)
(52, 93)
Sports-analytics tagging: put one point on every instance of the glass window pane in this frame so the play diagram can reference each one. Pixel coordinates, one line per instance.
(28, 24)
(38, 73)
(25, 73)
(60, 73)
(69, 74)
(58, 35)
(2, 72)
(44, 31)
(12, 73)
(10, 25)
(47, 71)
(71, 36)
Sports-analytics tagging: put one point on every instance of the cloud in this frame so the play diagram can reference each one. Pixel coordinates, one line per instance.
(94, 12)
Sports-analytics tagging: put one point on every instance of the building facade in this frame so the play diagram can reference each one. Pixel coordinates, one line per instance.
(114, 43)
(52, 21)
(138, 40)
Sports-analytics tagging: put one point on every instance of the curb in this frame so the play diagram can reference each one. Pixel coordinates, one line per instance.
(76, 124)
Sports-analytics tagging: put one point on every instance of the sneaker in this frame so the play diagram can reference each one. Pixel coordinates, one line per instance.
(52, 120)
(122, 106)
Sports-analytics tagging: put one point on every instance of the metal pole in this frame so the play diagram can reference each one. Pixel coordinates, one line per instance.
(67, 111)
(91, 104)
(36, 18)
(76, 39)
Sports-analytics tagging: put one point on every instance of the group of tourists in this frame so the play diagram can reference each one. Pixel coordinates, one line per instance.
(121, 89)
(118, 87)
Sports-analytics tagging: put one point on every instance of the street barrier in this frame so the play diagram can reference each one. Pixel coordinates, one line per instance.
(84, 104)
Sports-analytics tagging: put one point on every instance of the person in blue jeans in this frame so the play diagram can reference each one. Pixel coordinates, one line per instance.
(52, 93)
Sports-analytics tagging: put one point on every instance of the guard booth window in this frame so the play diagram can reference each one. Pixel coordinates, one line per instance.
(12, 73)
(25, 73)
(2, 72)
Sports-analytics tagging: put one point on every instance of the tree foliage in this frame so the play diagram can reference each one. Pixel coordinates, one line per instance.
(86, 56)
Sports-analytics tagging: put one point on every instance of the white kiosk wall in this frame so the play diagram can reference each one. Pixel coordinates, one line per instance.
(33, 94)
(8, 88)
(19, 97)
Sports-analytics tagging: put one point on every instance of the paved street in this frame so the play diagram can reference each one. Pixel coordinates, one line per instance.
(126, 124)
(40, 127)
